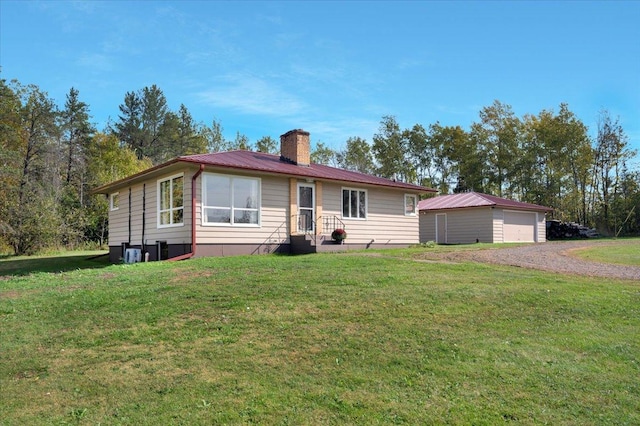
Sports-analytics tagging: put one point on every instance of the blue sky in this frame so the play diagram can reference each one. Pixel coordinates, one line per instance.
(332, 68)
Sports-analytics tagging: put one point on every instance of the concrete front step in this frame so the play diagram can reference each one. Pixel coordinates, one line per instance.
(304, 244)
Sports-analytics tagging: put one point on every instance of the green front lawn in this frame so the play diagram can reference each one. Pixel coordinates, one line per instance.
(58, 262)
(623, 252)
(319, 339)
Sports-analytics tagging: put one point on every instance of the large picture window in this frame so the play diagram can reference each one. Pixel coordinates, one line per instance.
(230, 200)
(171, 201)
(354, 203)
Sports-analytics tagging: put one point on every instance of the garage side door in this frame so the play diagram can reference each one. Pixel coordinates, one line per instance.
(519, 227)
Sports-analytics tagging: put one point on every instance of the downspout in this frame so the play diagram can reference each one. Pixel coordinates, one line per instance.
(129, 239)
(144, 216)
(193, 218)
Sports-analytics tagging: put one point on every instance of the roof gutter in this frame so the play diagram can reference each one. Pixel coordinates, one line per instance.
(193, 218)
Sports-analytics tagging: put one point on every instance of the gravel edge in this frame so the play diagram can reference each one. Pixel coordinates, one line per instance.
(555, 256)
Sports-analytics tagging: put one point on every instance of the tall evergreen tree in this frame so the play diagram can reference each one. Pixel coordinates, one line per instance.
(76, 132)
(154, 113)
(129, 127)
(72, 197)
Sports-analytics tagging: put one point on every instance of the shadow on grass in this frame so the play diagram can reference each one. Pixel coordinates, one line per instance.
(24, 265)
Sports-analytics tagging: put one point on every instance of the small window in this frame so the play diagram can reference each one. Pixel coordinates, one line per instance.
(410, 203)
(230, 200)
(114, 201)
(354, 203)
(171, 201)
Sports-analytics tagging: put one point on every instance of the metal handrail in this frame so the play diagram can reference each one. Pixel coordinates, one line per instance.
(329, 224)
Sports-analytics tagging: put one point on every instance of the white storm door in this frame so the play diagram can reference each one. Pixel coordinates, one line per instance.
(306, 207)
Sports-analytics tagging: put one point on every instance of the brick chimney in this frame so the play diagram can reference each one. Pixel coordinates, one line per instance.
(295, 147)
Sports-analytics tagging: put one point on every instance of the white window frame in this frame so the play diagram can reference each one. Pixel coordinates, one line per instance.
(415, 204)
(171, 209)
(366, 203)
(114, 201)
(258, 209)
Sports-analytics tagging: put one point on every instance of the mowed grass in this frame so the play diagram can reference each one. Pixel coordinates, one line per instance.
(623, 252)
(319, 339)
(55, 262)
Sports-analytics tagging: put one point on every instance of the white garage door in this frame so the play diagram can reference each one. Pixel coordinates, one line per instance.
(519, 227)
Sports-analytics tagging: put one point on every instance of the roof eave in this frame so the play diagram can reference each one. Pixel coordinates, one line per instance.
(105, 189)
(523, 208)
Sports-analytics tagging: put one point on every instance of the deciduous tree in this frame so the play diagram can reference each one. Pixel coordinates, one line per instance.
(267, 144)
(611, 152)
(390, 149)
(31, 215)
(357, 156)
(497, 132)
(322, 154)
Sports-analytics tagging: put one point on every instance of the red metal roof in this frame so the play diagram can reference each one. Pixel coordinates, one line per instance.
(475, 199)
(270, 163)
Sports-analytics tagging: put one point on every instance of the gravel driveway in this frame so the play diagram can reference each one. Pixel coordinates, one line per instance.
(555, 257)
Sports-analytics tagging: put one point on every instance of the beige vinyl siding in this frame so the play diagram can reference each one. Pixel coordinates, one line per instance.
(464, 226)
(498, 221)
(274, 215)
(386, 222)
(119, 220)
(180, 234)
(542, 227)
(427, 226)
(146, 195)
(136, 214)
(468, 225)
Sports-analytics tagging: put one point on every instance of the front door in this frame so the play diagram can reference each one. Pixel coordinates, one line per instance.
(306, 207)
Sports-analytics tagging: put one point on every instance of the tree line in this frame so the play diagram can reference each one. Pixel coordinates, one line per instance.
(548, 159)
(52, 156)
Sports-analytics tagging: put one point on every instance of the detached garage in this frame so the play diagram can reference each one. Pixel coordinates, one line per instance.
(474, 217)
